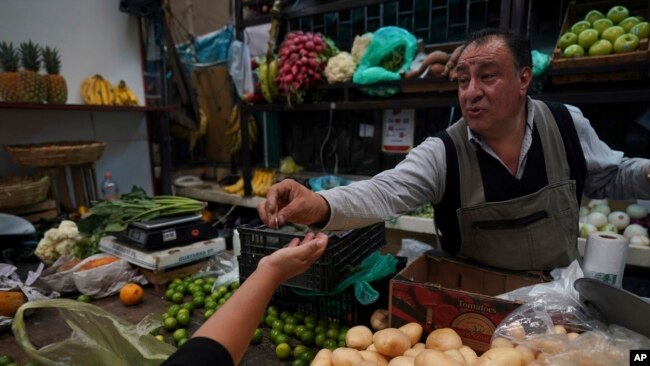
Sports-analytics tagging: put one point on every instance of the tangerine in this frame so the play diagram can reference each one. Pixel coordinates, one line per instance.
(131, 294)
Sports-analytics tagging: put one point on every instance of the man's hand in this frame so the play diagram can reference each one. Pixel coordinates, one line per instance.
(290, 201)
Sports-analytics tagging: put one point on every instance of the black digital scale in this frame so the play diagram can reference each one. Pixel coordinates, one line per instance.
(168, 232)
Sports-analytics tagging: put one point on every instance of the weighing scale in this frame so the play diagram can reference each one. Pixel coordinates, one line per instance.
(168, 232)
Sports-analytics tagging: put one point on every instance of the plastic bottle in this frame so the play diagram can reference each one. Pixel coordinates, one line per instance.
(110, 190)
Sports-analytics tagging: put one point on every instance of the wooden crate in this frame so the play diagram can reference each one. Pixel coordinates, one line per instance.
(45, 210)
(160, 277)
(631, 65)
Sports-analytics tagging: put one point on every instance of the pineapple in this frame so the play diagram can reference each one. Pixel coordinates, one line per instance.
(9, 78)
(57, 89)
(31, 86)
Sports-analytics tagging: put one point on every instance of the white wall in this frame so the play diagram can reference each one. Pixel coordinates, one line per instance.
(93, 37)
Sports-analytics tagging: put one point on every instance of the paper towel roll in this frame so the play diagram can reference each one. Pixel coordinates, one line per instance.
(605, 257)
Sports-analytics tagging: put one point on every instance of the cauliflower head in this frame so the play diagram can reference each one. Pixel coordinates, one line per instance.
(340, 68)
(359, 46)
(58, 241)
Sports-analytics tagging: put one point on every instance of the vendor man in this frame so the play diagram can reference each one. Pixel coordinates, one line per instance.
(505, 180)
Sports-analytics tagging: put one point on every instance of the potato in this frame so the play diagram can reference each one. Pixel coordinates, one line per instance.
(527, 355)
(379, 319)
(501, 342)
(456, 355)
(436, 70)
(516, 331)
(374, 356)
(371, 348)
(571, 336)
(391, 342)
(468, 354)
(324, 353)
(507, 356)
(402, 361)
(419, 345)
(413, 331)
(321, 362)
(430, 357)
(558, 329)
(359, 337)
(346, 357)
(367, 363)
(443, 339)
(413, 352)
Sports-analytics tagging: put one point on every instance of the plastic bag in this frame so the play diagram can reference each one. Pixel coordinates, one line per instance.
(105, 280)
(326, 182)
(385, 42)
(564, 277)
(224, 266)
(541, 61)
(412, 249)
(239, 67)
(208, 49)
(542, 325)
(98, 337)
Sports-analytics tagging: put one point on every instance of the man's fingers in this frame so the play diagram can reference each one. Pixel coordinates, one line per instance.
(294, 242)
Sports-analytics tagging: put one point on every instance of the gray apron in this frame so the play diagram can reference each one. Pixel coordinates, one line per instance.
(534, 232)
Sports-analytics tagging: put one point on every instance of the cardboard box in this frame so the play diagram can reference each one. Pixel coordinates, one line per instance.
(162, 259)
(440, 291)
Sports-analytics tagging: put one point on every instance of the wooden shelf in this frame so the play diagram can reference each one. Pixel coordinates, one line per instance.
(213, 192)
(84, 107)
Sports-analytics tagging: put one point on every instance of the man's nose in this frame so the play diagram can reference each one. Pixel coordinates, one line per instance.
(473, 90)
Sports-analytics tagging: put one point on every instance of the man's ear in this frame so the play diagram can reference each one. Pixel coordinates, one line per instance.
(525, 78)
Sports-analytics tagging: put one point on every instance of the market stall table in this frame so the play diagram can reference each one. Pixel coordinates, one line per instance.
(44, 327)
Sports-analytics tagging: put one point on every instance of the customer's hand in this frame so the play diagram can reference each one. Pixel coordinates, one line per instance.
(290, 201)
(294, 259)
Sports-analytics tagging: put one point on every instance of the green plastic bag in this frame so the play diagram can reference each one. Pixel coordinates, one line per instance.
(98, 337)
(389, 54)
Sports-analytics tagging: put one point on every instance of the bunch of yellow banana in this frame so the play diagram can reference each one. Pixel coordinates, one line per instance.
(262, 180)
(95, 90)
(268, 73)
(124, 95)
(234, 131)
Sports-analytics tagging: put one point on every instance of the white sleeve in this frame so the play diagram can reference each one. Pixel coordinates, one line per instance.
(418, 179)
(609, 173)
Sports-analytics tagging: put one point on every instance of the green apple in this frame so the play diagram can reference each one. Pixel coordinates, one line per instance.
(580, 26)
(628, 23)
(612, 33)
(641, 30)
(626, 43)
(641, 18)
(601, 24)
(593, 15)
(601, 47)
(618, 13)
(567, 39)
(573, 50)
(587, 37)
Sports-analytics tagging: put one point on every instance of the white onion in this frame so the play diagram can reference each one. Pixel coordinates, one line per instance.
(584, 211)
(587, 229)
(636, 211)
(610, 228)
(619, 219)
(597, 219)
(593, 203)
(635, 229)
(602, 208)
(582, 220)
(640, 240)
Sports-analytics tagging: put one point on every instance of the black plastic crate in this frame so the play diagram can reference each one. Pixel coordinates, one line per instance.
(344, 250)
(342, 307)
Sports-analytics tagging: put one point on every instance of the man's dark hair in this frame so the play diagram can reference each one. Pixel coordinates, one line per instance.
(519, 46)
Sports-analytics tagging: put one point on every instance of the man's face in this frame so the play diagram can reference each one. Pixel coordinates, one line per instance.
(491, 92)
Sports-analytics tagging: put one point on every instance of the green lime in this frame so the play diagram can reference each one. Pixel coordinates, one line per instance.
(170, 323)
(272, 309)
(324, 322)
(198, 293)
(307, 356)
(215, 296)
(210, 280)
(222, 290)
(160, 337)
(298, 331)
(179, 334)
(332, 333)
(189, 306)
(343, 330)
(83, 298)
(177, 281)
(155, 331)
(273, 334)
(233, 286)
(183, 318)
(342, 343)
(168, 294)
(210, 304)
(289, 329)
(199, 282)
(222, 301)
(284, 315)
(281, 338)
(299, 315)
(330, 344)
(198, 301)
(257, 336)
(270, 319)
(307, 337)
(227, 295)
(207, 288)
(278, 324)
(208, 313)
(181, 342)
(192, 288)
(335, 325)
(283, 351)
(182, 289)
(299, 362)
(291, 320)
(299, 350)
(320, 329)
(173, 310)
(310, 325)
(309, 319)
(320, 339)
(165, 316)
(178, 297)
(5, 360)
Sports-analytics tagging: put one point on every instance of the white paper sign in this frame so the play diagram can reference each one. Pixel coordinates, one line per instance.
(398, 126)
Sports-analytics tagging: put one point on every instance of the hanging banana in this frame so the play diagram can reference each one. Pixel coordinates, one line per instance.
(233, 131)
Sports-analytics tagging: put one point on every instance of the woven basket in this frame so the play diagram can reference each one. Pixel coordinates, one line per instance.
(56, 154)
(23, 191)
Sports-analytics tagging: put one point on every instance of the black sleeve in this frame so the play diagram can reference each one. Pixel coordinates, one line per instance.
(200, 351)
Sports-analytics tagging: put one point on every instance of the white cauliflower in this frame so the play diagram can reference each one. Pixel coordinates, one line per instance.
(340, 68)
(59, 241)
(360, 45)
